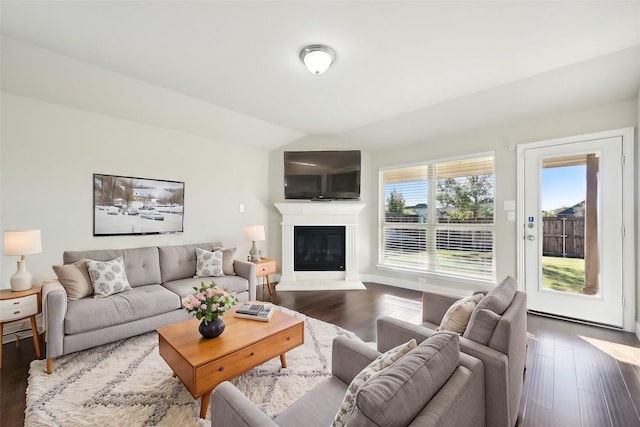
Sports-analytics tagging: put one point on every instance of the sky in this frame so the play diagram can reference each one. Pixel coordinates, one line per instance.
(563, 186)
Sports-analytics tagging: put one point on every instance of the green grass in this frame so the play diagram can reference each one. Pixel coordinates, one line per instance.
(563, 274)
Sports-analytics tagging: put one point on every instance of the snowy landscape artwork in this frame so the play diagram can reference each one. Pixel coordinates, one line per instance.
(126, 205)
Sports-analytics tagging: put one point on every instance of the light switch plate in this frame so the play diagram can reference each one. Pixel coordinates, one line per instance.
(509, 205)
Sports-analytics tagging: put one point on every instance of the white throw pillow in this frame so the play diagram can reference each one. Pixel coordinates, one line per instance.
(457, 316)
(374, 369)
(209, 264)
(108, 278)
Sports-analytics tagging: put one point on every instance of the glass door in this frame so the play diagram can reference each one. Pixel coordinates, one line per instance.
(573, 226)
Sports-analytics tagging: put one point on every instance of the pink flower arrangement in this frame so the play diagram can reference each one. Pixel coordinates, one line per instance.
(209, 301)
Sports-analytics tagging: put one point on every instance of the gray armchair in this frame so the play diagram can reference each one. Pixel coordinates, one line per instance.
(496, 334)
(433, 385)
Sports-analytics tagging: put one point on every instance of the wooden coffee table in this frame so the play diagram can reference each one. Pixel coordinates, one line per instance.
(201, 364)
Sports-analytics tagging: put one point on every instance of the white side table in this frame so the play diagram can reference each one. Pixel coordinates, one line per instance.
(19, 305)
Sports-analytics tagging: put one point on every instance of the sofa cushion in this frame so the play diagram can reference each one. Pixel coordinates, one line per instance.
(457, 316)
(179, 262)
(75, 279)
(142, 265)
(398, 394)
(88, 314)
(377, 366)
(184, 287)
(208, 264)
(107, 277)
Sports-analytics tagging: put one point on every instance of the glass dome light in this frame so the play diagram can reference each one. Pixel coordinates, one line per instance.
(317, 58)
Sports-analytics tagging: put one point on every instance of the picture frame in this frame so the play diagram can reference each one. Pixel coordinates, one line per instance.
(125, 205)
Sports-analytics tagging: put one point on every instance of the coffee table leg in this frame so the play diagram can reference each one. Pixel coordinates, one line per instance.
(283, 360)
(204, 406)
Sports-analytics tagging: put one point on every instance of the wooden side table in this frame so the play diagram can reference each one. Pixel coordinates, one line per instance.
(19, 305)
(265, 267)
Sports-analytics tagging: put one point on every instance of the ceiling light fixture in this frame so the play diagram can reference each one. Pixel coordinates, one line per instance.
(317, 58)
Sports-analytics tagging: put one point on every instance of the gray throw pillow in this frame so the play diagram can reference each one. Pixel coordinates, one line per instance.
(500, 297)
(487, 314)
(375, 368)
(398, 394)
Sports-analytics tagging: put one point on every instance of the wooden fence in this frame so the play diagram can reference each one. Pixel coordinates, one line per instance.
(563, 237)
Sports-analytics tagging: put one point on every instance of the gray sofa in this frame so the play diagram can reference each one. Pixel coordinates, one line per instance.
(160, 277)
(496, 334)
(432, 385)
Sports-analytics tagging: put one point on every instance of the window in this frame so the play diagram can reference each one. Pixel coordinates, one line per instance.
(438, 218)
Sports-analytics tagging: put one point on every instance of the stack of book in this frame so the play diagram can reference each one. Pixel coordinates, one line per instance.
(261, 312)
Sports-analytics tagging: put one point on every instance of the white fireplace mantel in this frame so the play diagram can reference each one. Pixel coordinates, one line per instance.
(319, 213)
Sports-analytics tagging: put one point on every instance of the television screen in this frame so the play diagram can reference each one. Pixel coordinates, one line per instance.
(322, 175)
(124, 205)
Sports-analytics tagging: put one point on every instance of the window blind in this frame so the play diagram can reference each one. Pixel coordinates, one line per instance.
(438, 217)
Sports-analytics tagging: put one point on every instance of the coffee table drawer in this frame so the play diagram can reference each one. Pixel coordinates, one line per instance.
(210, 375)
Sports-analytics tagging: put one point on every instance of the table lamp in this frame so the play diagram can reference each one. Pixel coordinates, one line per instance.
(254, 233)
(22, 243)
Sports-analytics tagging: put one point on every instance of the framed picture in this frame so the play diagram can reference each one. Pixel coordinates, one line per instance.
(124, 205)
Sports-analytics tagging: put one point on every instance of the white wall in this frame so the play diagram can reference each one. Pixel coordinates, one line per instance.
(637, 212)
(49, 153)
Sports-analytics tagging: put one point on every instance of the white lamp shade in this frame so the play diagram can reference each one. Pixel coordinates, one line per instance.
(254, 233)
(22, 242)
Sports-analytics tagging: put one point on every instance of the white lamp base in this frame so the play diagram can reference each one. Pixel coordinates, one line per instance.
(21, 281)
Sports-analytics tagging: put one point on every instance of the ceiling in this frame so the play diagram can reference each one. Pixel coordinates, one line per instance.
(405, 71)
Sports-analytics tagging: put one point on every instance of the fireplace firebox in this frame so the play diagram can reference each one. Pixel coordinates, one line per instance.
(319, 248)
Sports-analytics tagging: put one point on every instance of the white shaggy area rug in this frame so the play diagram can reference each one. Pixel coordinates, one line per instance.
(128, 383)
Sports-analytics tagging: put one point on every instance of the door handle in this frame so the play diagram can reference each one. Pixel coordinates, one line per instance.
(530, 237)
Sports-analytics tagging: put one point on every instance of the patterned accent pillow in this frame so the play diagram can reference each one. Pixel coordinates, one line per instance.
(375, 368)
(108, 278)
(208, 264)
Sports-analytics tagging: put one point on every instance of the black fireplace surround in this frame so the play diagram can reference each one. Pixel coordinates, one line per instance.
(319, 248)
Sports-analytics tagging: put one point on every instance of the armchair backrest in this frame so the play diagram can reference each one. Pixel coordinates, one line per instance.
(500, 322)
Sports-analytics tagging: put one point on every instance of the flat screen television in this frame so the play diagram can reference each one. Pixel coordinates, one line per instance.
(322, 175)
(124, 205)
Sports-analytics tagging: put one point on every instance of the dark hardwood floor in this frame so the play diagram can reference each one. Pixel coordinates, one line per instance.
(577, 375)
